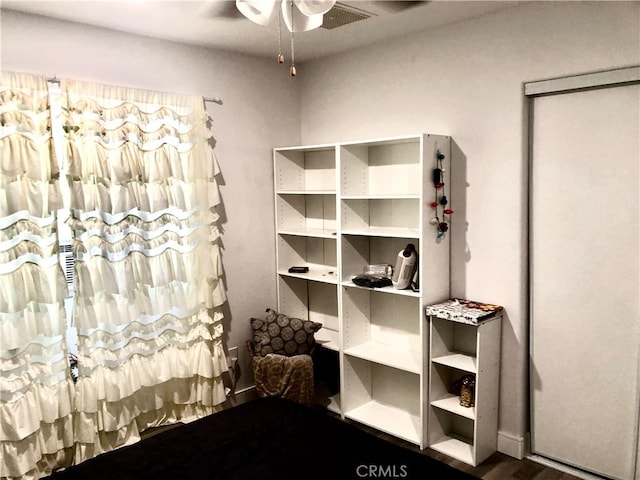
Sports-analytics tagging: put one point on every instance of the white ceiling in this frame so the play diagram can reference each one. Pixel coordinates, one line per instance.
(217, 23)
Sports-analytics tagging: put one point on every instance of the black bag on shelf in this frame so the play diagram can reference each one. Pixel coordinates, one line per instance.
(371, 280)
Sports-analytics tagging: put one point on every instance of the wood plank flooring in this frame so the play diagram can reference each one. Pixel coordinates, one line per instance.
(503, 467)
(496, 467)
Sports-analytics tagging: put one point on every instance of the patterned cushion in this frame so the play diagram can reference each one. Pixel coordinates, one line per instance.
(283, 335)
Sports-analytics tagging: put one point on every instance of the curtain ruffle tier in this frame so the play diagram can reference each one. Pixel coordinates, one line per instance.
(121, 161)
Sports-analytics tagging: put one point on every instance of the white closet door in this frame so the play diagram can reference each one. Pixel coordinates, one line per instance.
(585, 285)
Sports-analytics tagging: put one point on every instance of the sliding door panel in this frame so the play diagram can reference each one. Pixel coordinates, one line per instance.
(585, 285)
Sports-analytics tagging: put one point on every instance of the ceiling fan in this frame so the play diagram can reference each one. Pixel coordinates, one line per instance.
(306, 15)
(298, 15)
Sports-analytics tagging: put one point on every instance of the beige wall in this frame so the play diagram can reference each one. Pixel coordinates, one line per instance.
(259, 99)
(466, 80)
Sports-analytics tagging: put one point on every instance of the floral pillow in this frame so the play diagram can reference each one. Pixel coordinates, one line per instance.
(283, 335)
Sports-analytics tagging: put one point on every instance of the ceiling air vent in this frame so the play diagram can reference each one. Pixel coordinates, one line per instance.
(341, 15)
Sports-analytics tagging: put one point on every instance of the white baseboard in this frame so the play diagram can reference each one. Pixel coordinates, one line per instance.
(512, 445)
(241, 396)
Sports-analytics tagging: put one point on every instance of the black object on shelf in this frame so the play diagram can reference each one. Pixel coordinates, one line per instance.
(298, 269)
(372, 281)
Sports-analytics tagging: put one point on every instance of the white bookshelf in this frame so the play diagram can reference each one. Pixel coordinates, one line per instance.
(382, 397)
(339, 208)
(468, 434)
(306, 203)
(408, 360)
(394, 421)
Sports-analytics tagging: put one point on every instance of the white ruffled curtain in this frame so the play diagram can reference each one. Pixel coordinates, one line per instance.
(36, 390)
(147, 266)
(148, 288)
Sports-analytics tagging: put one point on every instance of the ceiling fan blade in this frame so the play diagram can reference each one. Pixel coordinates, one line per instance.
(220, 9)
(296, 21)
(258, 11)
(314, 7)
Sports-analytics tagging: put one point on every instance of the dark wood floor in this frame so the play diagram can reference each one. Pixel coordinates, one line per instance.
(503, 467)
(496, 467)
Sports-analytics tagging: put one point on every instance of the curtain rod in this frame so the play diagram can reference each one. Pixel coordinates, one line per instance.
(217, 100)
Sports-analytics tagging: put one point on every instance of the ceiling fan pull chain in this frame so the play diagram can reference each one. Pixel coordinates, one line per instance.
(292, 70)
(280, 55)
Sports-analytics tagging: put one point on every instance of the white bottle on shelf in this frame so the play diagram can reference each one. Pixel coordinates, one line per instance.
(405, 267)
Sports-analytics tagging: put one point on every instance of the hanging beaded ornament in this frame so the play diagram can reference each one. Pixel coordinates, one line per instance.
(440, 202)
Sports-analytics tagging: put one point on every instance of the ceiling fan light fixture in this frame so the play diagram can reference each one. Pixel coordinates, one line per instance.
(315, 7)
(258, 11)
(296, 21)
